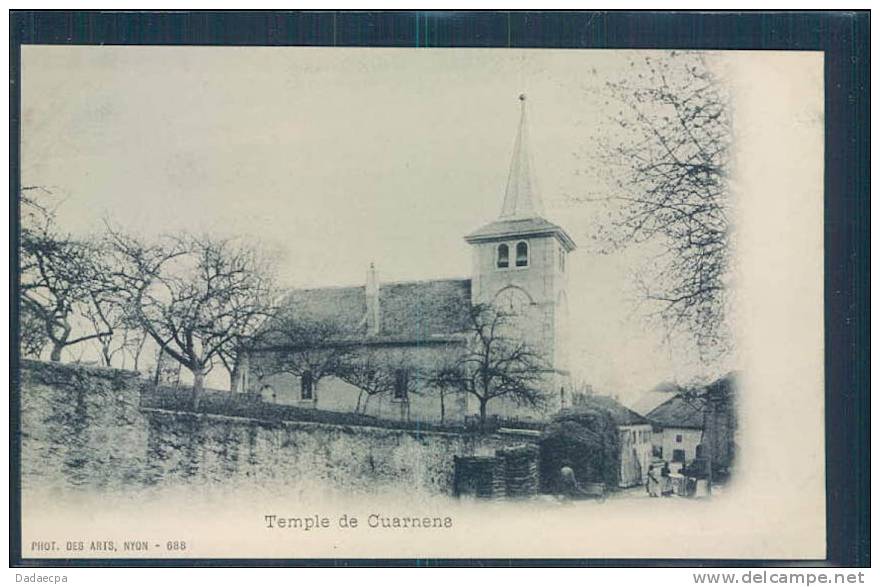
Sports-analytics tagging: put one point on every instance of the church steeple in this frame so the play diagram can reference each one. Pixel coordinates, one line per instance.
(519, 267)
(521, 199)
(522, 214)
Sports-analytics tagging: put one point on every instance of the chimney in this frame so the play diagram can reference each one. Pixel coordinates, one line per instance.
(372, 291)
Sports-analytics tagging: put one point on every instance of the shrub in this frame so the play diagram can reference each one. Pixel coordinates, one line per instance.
(585, 440)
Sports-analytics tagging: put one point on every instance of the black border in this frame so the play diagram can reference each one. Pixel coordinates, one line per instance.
(842, 36)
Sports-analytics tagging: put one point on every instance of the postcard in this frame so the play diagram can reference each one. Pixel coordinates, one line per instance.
(337, 302)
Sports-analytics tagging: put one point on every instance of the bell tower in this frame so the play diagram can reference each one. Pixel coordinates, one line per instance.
(519, 266)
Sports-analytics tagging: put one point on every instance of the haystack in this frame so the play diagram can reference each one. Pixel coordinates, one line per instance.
(585, 439)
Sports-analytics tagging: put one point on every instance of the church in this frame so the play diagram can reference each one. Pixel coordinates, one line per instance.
(407, 328)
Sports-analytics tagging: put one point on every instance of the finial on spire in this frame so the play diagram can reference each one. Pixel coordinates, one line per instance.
(520, 198)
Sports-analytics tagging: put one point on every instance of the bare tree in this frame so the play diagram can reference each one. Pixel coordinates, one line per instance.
(118, 332)
(61, 278)
(134, 346)
(301, 346)
(667, 161)
(166, 370)
(119, 339)
(442, 379)
(106, 323)
(194, 296)
(235, 354)
(496, 364)
(377, 372)
(32, 333)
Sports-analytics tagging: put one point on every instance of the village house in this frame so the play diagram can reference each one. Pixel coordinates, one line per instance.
(703, 417)
(601, 440)
(518, 265)
(635, 434)
(678, 429)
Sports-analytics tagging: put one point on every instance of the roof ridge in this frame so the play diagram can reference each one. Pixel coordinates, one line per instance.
(356, 286)
(671, 399)
(323, 287)
(425, 280)
(676, 412)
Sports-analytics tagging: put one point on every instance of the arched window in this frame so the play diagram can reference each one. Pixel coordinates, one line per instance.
(503, 256)
(307, 386)
(401, 384)
(522, 254)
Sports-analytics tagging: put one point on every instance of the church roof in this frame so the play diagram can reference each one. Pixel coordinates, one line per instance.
(410, 311)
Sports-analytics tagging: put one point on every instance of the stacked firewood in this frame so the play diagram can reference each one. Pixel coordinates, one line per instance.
(480, 477)
(520, 470)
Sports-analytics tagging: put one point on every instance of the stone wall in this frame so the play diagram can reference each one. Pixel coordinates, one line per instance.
(86, 427)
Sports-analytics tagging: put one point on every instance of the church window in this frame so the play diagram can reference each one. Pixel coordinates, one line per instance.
(401, 384)
(561, 261)
(503, 256)
(307, 386)
(522, 254)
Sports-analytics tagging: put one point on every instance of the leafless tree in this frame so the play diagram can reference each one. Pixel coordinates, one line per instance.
(380, 372)
(496, 364)
(194, 296)
(32, 333)
(667, 160)
(61, 278)
(301, 347)
(235, 355)
(166, 371)
(119, 335)
(442, 378)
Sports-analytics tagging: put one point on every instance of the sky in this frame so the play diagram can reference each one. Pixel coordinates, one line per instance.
(339, 157)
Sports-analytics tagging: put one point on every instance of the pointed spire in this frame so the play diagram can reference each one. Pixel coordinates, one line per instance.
(521, 199)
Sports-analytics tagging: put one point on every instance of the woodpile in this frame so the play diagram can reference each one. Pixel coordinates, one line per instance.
(512, 472)
(520, 470)
(481, 477)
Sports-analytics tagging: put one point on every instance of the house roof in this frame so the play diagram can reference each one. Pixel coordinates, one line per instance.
(679, 412)
(646, 401)
(676, 412)
(410, 311)
(620, 414)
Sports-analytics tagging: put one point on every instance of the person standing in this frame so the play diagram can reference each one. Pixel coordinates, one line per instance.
(653, 484)
(665, 481)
